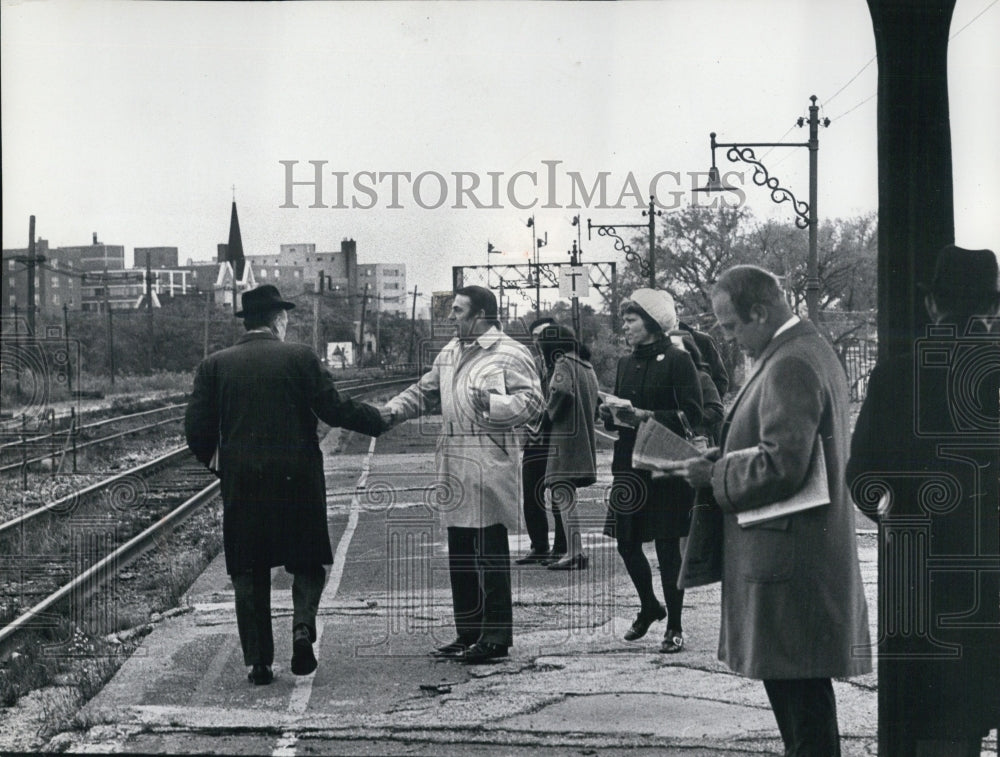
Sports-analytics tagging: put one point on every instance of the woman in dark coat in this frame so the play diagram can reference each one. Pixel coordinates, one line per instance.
(571, 402)
(660, 381)
(712, 410)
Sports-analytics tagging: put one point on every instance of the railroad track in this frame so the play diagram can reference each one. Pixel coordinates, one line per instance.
(132, 510)
(32, 448)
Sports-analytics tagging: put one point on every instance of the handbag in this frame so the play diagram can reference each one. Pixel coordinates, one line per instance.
(698, 440)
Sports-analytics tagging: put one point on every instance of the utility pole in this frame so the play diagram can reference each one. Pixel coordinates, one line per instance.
(31, 259)
(111, 327)
(361, 328)
(319, 293)
(413, 325)
(149, 314)
(69, 355)
(208, 316)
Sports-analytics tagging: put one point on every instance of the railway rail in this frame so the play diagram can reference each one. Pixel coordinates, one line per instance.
(140, 505)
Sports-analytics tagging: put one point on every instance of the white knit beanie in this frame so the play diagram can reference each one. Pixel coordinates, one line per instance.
(659, 305)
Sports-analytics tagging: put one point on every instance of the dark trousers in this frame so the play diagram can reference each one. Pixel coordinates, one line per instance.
(806, 711)
(479, 566)
(253, 608)
(533, 487)
(668, 553)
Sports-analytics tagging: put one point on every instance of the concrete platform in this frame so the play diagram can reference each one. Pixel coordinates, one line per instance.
(572, 685)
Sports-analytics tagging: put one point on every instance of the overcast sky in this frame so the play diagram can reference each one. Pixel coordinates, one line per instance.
(135, 119)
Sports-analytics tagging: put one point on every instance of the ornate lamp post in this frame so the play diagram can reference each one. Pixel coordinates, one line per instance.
(646, 268)
(806, 215)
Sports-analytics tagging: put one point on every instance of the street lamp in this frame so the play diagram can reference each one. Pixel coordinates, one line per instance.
(611, 230)
(806, 215)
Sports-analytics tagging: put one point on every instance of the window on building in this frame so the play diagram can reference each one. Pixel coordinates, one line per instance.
(298, 274)
(277, 273)
(55, 299)
(263, 273)
(11, 264)
(13, 299)
(54, 280)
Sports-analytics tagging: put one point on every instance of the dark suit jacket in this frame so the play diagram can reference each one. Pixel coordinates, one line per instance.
(710, 354)
(257, 402)
(927, 446)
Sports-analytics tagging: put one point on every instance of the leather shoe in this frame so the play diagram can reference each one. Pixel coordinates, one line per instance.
(303, 659)
(673, 642)
(260, 675)
(643, 621)
(534, 556)
(454, 649)
(483, 652)
(577, 562)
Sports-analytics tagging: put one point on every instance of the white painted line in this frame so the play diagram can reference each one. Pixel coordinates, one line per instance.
(299, 700)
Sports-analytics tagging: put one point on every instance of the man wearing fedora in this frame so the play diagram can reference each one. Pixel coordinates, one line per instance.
(924, 465)
(252, 418)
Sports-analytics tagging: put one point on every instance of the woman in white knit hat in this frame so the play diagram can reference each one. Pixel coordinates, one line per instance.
(660, 380)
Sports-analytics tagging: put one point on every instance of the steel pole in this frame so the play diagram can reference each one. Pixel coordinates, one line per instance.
(812, 265)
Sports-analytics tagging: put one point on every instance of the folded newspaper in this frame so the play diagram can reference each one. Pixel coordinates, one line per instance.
(815, 492)
(656, 445)
(616, 405)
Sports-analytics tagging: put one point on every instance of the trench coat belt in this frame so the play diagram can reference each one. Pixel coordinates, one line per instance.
(452, 428)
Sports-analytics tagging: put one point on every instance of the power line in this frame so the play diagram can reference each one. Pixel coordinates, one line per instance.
(860, 71)
(851, 110)
(974, 18)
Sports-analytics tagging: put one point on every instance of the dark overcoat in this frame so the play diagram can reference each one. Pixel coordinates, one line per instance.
(793, 605)
(257, 403)
(925, 447)
(660, 377)
(570, 407)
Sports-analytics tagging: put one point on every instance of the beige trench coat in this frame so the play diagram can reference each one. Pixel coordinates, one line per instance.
(478, 457)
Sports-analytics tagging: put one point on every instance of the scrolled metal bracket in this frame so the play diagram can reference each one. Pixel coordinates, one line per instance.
(621, 245)
(762, 178)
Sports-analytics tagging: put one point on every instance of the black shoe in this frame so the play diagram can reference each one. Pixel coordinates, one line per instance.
(673, 642)
(579, 562)
(534, 556)
(260, 675)
(483, 652)
(303, 659)
(455, 649)
(643, 621)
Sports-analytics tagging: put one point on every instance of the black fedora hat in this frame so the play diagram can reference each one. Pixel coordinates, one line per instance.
(965, 274)
(263, 298)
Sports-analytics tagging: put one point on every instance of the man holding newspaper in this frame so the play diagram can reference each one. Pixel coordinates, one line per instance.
(793, 607)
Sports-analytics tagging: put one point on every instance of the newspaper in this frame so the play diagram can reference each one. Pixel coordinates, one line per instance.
(616, 405)
(815, 492)
(656, 445)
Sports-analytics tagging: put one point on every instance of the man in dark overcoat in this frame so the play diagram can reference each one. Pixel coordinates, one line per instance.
(924, 464)
(793, 606)
(252, 418)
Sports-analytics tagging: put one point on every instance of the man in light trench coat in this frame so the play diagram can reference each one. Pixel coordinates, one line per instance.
(793, 607)
(485, 386)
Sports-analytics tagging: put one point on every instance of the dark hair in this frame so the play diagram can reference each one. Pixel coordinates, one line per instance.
(483, 299)
(260, 318)
(628, 306)
(557, 339)
(749, 285)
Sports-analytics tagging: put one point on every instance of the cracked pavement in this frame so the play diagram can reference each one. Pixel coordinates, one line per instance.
(571, 685)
